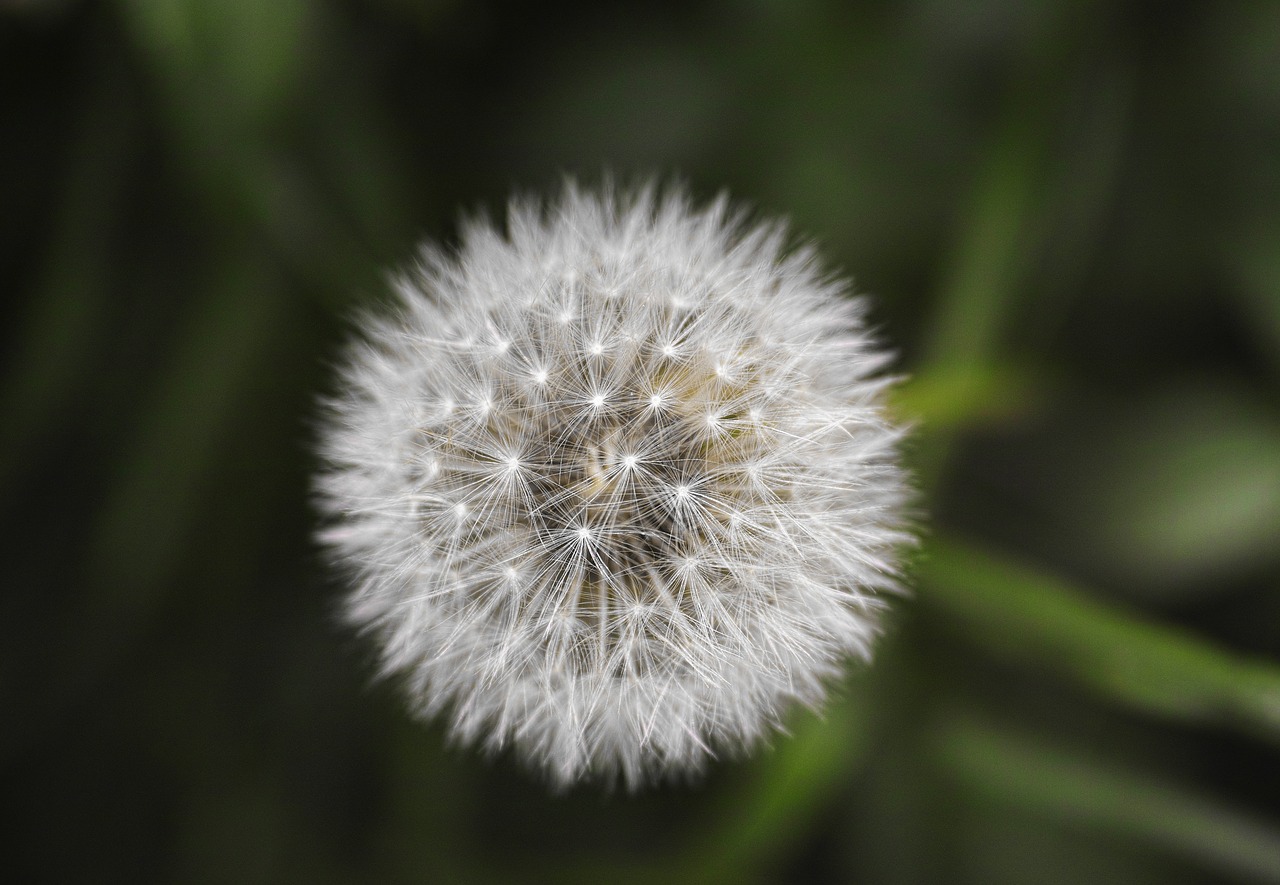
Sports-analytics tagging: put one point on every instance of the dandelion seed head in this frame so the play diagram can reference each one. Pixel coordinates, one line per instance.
(615, 485)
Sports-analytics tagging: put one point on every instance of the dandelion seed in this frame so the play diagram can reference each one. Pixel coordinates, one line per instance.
(648, 555)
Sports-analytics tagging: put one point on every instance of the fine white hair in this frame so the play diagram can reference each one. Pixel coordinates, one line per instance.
(615, 486)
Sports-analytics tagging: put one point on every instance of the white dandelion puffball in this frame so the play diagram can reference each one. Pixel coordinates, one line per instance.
(616, 485)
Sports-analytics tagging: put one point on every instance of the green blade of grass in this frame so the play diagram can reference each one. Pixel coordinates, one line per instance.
(59, 337)
(1023, 613)
(805, 772)
(141, 531)
(1257, 267)
(1045, 780)
(763, 819)
(987, 261)
(990, 249)
(949, 399)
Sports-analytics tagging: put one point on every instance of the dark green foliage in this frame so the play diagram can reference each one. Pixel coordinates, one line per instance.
(1069, 216)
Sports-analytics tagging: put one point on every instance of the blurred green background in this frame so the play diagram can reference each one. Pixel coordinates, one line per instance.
(1068, 214)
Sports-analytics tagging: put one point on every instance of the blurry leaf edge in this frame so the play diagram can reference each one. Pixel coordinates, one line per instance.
(1020, 612)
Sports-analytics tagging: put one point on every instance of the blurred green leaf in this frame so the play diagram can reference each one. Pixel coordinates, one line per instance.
(1030, 775)
(58, 339)
(1022, 613)
(242, 58)
(230, 74)
(988, 257)
(140, 532)
(991, 248)
(953, 397)
(806, 770)
(1181, 492)
(1002, 226)
(752, 827)
(214, 363)
(1257, 267)
(1073, 222)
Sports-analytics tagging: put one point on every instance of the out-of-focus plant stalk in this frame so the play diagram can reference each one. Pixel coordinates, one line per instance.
(1020, 612)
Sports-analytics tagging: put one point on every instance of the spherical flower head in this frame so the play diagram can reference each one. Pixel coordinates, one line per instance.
(615, 485)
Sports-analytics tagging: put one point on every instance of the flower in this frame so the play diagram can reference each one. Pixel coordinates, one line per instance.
(615, 486)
